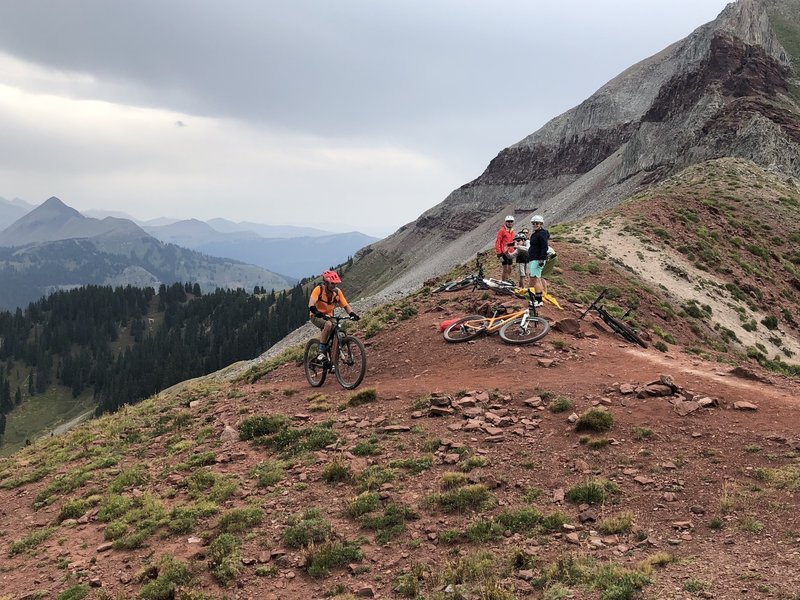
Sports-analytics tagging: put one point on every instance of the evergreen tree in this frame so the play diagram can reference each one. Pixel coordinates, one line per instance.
(6, 403)
(78, 330)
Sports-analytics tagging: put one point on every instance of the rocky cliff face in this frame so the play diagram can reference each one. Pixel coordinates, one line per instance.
(726, 90)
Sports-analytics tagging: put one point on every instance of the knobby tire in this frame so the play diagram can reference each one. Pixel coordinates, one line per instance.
(315, 372)
(624, 330)
(466, 329)
(514, 333)
(351, 362)
(443, 287)
(458, 285)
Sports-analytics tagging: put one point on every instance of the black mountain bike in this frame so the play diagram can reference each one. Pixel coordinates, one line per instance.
(618, 325)
(346, 357)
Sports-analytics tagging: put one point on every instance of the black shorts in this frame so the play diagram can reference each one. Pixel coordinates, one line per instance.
(505, 259)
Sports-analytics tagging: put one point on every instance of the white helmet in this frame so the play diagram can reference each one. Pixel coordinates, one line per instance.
(510, 218)
(537, 219)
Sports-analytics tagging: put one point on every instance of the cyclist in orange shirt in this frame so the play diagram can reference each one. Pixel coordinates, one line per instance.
(324, 298)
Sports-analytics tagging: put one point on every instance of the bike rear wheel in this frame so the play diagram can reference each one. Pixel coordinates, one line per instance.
(351, 362)
(466, 329)
(514, 332)
(315, 372)
(624, 330)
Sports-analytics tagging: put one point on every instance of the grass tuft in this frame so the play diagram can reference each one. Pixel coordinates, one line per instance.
(468, 497)
(596, 420)
(305, 529)
(363, 397)
(594, 491)
(335, 471)
(320, 560)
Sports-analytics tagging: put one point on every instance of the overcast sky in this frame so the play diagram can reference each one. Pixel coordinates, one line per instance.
(338, 114)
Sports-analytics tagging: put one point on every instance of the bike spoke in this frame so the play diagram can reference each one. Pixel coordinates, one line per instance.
(351, 363)
(517, 332)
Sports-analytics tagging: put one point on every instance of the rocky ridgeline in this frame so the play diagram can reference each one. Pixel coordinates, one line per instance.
(722, 91)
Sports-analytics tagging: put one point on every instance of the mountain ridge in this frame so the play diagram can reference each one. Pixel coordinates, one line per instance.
(724, 90)
(53, 221)
(55, 247)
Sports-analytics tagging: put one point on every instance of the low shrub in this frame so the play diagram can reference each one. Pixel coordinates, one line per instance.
(593, 491)
(468, 497)
(335, 471)
(240, 519)
(224, 559)
(363, 397)
(306, 529)
(595, 419)
(256, 427)
(560, 404)
(330, 555)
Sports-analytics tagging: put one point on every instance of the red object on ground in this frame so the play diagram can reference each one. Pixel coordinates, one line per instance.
(445, 324)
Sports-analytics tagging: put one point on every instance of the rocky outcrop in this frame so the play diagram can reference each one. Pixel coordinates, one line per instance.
(725, 90)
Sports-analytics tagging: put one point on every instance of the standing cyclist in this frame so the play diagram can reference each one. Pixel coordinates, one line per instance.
(538, 255)
(504, 245)
(523, 244)
(324, 298)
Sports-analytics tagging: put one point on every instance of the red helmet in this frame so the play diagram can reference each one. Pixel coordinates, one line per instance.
(331, 277)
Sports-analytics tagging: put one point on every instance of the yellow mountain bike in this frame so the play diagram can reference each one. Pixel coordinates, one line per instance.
(519, 327)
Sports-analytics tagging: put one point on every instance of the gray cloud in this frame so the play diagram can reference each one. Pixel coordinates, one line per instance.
(457, 80)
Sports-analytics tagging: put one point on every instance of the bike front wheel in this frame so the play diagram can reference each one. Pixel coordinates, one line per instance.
(315, 372)
(458, 285)
(443, 287)
(351, 362)
(624, 330)
(466, 329)
(515, 332)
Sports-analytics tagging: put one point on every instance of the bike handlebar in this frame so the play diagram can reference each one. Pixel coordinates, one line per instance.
(337, 318)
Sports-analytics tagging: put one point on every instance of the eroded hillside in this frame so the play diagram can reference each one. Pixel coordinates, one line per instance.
(580, 466)
(720, 243)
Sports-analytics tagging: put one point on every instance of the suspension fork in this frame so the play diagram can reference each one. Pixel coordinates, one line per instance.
(334, 345)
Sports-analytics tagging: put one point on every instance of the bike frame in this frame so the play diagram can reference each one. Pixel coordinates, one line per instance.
(496, 322)
(617, 324)
(336, 335)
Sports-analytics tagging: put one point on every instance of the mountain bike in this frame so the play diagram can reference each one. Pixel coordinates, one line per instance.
(477, 281)
(519, 327)
(345, 357)
(618, 325)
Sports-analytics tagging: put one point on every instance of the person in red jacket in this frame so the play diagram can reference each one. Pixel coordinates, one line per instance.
(504, 246)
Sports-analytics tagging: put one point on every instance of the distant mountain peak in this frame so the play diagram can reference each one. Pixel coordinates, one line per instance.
(55, 205)
(53, 220)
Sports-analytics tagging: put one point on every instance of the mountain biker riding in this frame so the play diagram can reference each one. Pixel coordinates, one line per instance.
(324, 298)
